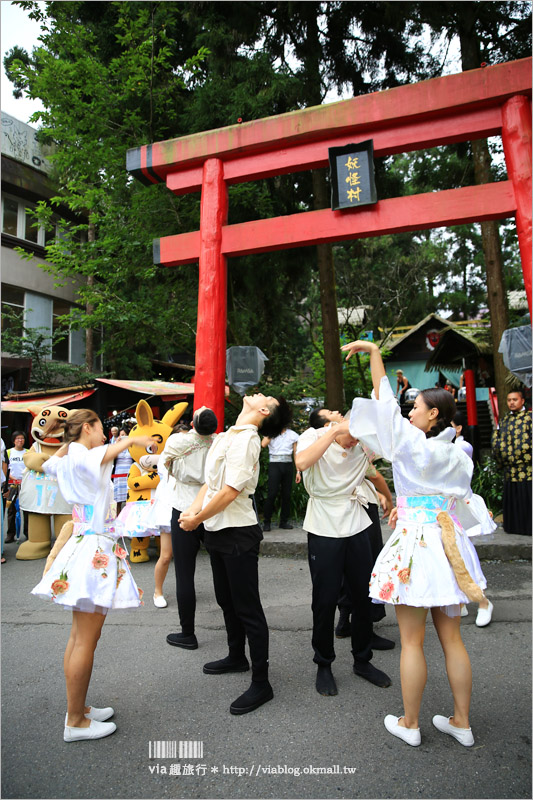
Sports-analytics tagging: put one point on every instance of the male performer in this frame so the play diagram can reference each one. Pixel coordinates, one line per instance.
(334, 467)
(512, 451)
(184, 457)
(232, 536)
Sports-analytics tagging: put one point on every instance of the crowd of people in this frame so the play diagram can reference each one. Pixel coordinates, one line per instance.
(206, 495)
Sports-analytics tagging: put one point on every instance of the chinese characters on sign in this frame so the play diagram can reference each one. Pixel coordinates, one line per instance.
(352, 175)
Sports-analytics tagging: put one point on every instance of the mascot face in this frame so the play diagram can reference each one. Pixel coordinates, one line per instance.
(158, 430)
(46, 426)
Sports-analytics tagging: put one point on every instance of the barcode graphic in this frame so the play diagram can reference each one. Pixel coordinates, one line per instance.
(191, 750)
(181, 749)
(162, 749)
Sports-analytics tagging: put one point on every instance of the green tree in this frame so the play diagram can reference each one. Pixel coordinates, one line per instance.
(110, 78)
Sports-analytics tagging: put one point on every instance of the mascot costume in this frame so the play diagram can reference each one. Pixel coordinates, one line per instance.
(143, 478)
(40, 497)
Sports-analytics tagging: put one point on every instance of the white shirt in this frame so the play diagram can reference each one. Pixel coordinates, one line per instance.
(233, 460)
(3, 460)
(16, 462)
(283, 446)
(83, 479)
(334, 484)
(184, 457)
(420, 466)
(466, 446)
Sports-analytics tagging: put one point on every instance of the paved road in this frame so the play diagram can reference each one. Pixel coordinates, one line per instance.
(161, 694)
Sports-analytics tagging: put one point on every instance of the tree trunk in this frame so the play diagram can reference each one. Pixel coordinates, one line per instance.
(328, 303)
(490, 234)
(89, 308)
(326, 267)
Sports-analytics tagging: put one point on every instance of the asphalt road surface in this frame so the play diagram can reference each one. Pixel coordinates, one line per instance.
(300, 745)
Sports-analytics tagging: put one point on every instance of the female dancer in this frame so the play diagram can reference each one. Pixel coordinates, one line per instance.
(428, 562)
(90, 574)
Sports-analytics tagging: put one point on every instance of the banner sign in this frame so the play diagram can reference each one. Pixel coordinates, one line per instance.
(352, 175)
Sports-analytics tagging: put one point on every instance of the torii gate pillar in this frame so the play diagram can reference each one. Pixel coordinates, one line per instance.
(516, 138)
(212, 281)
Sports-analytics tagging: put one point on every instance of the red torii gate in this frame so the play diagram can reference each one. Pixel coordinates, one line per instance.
(492, 101)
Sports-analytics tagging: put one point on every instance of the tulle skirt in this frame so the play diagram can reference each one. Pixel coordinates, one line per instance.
(91, 572)
(412, 569)
(133, 520)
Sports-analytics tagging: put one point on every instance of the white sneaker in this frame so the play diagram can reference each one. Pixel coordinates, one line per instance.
(409, 735)
(484, 616)
(160, 602)
(96, 730)
(464, 611)
(98, 714)
(463, 735)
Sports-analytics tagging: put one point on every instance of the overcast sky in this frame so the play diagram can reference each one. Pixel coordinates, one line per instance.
(17, 28)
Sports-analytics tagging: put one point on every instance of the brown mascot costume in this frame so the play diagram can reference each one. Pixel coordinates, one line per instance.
(40, 497)
(143, 477)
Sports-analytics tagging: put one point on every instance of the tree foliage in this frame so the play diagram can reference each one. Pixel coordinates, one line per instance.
(116, 75)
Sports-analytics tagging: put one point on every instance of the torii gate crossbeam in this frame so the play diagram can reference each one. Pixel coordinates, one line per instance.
(492, 101)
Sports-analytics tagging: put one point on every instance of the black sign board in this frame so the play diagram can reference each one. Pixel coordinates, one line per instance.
(352, 175)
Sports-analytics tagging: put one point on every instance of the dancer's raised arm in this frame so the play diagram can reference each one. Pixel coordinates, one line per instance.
(376, 362)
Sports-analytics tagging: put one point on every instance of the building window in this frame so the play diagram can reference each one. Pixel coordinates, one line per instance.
(16, 221)
(12, 310)
(10, 209)
(60, 349)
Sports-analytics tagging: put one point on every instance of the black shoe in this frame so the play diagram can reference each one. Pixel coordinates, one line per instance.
(286, 526)
(380, 643)
(259, 693)
(181, 640)
(325, 682)
(370, 673)
(266, 527)
(227, 664)
(344, 628)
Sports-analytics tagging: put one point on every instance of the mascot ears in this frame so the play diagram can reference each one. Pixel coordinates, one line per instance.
(34, 410)
(174, 414)
(143, 415)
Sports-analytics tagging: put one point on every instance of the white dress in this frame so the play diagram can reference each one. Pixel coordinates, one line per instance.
(91, 572)
(159, 514)
(430, 475)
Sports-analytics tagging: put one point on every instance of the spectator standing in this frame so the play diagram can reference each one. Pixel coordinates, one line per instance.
(402, 385)
(121, 470)
(113, 434)
(15, 465)
(281, 450)
(3, 474)
(512, 451)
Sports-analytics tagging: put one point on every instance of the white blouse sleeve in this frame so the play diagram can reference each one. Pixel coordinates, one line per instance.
(379, 424)
(474, 516)
(50, 466)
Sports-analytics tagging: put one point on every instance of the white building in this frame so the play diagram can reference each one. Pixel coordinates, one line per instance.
(26, 288)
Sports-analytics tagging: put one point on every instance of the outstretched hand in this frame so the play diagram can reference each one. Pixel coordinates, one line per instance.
(360, 346)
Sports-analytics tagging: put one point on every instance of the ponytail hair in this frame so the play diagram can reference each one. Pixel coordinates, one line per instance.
(445, 405)
(75, 422)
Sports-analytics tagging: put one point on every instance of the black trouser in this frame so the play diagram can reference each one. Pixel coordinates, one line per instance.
(185, 546)
(14, 492)
(331, 559)
(377, 610)
(236, 581)
(280, 473)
